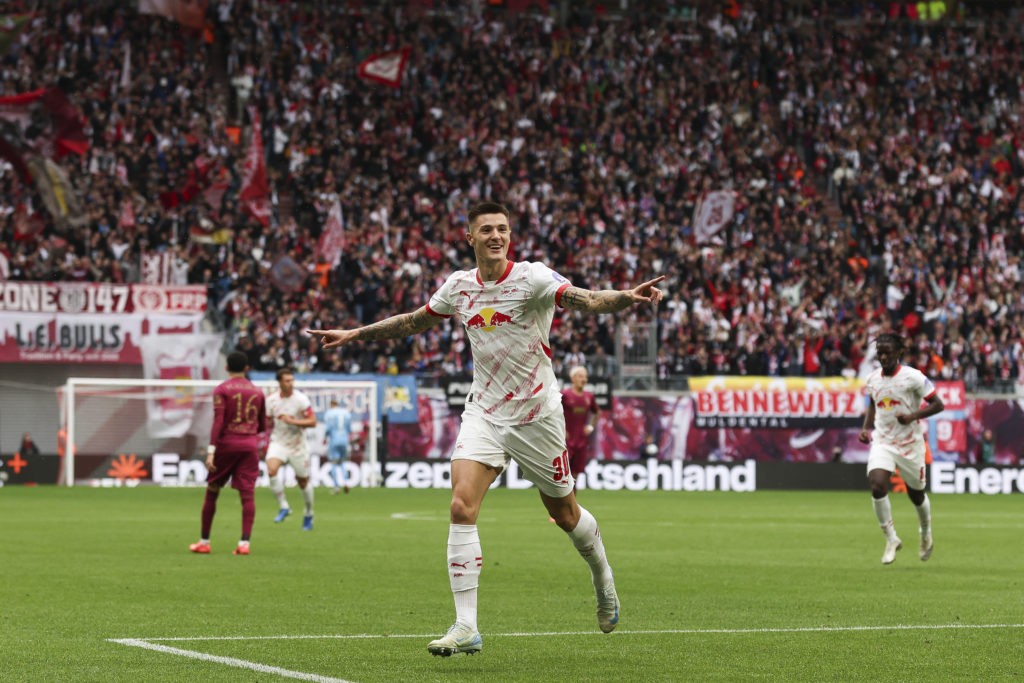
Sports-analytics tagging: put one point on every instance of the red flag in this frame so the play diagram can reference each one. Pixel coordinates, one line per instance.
(44, 121)
(332, 239)
(211, 179)
(39, 123)
(186, 12)
(385, 67)
(255, 190)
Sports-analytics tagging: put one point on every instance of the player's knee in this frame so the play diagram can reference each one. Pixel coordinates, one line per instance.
(462, 512)
(565, 520)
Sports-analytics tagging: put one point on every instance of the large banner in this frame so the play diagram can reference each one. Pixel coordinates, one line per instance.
(736, 418)
(178, 357)
(777, 402)
(171, 469)
(72, 322)
(649, 441)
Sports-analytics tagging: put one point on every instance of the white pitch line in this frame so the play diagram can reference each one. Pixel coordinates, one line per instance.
(622, 632)
(229, 661)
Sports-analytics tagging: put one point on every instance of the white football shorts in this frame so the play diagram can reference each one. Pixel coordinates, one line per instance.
(298, 461)
(537, 447)
(908, 459)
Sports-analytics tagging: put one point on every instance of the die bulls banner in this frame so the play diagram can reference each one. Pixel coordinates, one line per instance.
(91, 322)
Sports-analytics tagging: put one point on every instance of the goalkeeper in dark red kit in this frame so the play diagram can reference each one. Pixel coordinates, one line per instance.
(238, 434)
(581, 412)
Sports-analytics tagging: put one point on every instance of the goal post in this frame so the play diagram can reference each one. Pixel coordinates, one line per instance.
(139, 418)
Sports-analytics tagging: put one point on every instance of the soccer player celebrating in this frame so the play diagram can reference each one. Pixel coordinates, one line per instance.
(895, 396)
(239, 423)
(514, 408)
(580, 419)
(292, 413)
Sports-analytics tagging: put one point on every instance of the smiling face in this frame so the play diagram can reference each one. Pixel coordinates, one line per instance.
(490, 236)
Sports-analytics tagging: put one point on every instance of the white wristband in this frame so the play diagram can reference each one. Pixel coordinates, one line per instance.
(210, 450)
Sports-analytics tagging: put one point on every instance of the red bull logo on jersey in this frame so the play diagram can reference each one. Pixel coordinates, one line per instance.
(488, 320)
(888, 403)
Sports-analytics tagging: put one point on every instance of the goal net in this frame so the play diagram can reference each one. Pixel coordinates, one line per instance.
(116, 425)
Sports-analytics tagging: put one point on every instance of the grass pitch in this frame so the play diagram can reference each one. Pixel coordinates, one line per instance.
(98, 585)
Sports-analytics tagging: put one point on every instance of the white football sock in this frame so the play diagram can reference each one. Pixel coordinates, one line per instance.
(307, 497)
(465, 560)
(924, 515)
(586, 537)
(277, 487)
(883, 510)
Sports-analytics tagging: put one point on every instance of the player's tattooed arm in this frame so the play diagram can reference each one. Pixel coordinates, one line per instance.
(395, 327)
(605, 301)
(398, 326)
(611, 300)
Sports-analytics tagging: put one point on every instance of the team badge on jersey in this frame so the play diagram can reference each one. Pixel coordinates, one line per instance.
(488, 320)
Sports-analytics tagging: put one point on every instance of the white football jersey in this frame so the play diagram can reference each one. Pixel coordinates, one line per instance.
(508, 323)
(899, 394)
(289, 437)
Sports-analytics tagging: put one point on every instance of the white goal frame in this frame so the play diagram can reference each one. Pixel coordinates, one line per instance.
(372, 428)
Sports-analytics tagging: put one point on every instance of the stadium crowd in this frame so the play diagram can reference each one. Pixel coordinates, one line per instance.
(875, 165)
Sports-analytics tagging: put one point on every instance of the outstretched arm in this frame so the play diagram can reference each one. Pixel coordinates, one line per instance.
(395, 327)
(611, 300)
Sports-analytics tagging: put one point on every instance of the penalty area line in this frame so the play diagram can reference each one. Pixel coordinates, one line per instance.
(228, 661)
(620, 632)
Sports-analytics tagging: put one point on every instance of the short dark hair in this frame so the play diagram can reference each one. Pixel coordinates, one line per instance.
(485, 208)
(891, 338)
(284, 371)
(237, 361)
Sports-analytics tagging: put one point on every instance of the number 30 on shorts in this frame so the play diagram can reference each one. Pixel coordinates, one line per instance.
(561, 464)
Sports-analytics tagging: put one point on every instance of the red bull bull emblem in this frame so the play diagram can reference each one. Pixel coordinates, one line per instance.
(888, 403)
(488, 319)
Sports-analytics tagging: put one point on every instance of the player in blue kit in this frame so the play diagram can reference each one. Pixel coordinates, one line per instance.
(338, 432)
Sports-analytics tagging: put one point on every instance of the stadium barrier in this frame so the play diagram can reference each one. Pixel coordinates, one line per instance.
(170, 469)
